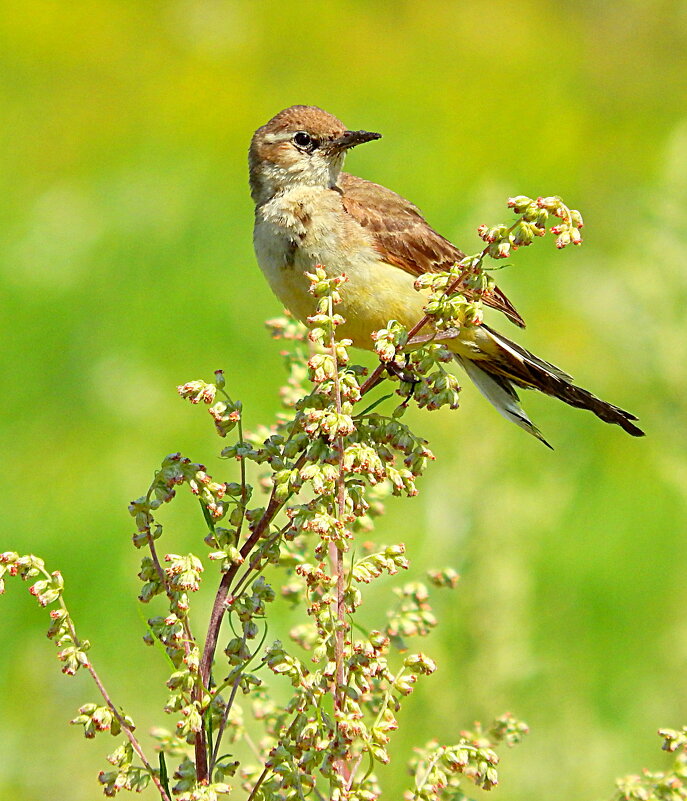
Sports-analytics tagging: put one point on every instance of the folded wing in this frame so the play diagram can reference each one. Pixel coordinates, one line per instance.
(404, 238)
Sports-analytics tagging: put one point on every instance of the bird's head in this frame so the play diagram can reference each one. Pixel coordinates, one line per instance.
(300, 146)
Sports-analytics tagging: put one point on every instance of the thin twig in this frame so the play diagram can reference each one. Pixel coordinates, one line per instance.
(128, 731)
(254, 565)
(256, 787)
(253, 747)
(200, 744)
(232, 697)
(374, 379)
(225, 717)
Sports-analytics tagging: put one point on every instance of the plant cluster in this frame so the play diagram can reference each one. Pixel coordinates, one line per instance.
(305, 492)
(668, 785)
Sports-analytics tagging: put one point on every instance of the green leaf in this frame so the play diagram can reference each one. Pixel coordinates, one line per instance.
(164, 776)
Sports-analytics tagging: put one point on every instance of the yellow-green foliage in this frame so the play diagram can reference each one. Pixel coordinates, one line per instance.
(126, 266)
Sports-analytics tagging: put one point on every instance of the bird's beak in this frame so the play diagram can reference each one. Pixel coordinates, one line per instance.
(351, 139)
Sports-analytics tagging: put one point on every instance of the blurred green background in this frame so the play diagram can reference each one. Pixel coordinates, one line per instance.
(126, 267)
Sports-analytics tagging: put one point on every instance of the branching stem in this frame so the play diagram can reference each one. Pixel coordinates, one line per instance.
(126, 728)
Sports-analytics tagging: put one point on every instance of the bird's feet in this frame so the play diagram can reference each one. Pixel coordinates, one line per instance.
(403, 373)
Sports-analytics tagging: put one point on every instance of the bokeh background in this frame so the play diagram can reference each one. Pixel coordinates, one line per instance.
(126, 267)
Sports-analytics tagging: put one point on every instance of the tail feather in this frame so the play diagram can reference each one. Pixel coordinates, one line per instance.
(503, 364)
(500, 393)
(522, 354)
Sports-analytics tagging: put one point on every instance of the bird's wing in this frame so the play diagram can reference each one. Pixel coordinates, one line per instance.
(403, 237)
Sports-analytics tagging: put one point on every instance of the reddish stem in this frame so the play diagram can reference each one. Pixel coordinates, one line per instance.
(337, 560)
(219, 607)
(200, 744)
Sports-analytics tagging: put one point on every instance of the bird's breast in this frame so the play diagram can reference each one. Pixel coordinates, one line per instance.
(296, 231)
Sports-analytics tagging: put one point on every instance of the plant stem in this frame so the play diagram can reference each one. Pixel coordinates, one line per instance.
(336, 556)
(256, 787)
(128, 731)
(200, 745)
(220, 604)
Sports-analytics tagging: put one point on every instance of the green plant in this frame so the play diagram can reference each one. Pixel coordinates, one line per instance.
(305, 490)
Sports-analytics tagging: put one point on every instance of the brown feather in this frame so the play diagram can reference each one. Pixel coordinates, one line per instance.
(403, 237)
(512, 364)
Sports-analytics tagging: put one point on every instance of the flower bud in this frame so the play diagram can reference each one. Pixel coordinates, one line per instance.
(420, 663)
(522, 234)
(519, 203)
(562, 240)
(378, 640)
(576, 218)
(500, 250)
(549, 203)
(404, 684)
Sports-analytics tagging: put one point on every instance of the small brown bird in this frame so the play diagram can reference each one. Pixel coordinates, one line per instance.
(309, 212)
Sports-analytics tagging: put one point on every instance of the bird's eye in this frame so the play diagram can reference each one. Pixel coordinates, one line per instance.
(304, 140)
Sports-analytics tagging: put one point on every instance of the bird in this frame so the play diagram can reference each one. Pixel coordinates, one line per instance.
(309, 212)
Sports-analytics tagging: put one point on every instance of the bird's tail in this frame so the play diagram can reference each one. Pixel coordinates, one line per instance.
(501, 365)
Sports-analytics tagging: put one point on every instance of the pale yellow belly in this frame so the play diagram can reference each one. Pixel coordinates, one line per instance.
(374, 293)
